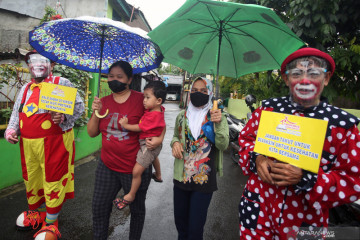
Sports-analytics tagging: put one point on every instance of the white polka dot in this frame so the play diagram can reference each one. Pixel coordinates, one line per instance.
(261, 214)
(358, 144)
(335, 204)
(326, 119)
(353, 198)
(282, 109)
(307, 196)
(252, 182)
(267, 224)
(267, 233)
(290, 216)
(309, 216)
(352, 120)
(319, 189)
(321, 111)
(248, 208)
(311, 114)
(339, 135)
(247, 221)
(332, 150)
(257, 190)
(343, 113)
(266, 194)
(271, 191)
(353, 152)
(253, 216)
(300, 215)
(342, 123)
(342, 182)
(335, 116)
(294, 203)
(354, 169)
(344, 156)
(332, 189)
(256, 205)
(357, 188)
(329, 138)
(317, 205)
(325, 198)
(259, 226)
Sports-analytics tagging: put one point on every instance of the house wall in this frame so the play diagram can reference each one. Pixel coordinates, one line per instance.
(18, 17)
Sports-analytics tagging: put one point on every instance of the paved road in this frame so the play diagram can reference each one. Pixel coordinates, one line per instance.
(75, 219)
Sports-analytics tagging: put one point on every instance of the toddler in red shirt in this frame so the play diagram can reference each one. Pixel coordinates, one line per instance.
(151, 124)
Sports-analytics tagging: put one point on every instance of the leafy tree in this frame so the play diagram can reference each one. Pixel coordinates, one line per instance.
(332, 26)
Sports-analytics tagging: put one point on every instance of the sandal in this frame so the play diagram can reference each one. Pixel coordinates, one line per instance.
(121, 203)
(155, 178)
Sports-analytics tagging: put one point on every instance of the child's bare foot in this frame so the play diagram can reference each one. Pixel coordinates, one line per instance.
(156, 177)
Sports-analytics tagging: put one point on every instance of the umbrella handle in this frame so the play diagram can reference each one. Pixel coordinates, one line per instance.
(101, 116)
(215, 105)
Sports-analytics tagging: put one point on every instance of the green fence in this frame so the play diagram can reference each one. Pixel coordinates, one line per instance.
(10, 165)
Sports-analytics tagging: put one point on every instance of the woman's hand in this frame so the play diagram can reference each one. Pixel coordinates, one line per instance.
(96, 105)
(177, 150)
(285, 174)
(263, 168)
(215, 115)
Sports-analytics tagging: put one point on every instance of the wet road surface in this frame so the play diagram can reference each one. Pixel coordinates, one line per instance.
(75, 218)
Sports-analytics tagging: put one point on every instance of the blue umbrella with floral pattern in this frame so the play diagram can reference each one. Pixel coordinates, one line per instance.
(93, 44)
(86, 43)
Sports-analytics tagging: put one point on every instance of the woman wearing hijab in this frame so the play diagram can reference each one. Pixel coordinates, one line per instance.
(198, 156)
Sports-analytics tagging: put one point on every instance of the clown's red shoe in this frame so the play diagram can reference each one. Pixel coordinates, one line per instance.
(28, 220)
(48, 232)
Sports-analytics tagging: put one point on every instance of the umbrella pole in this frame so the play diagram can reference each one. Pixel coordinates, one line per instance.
(101, 56)
(215, 103)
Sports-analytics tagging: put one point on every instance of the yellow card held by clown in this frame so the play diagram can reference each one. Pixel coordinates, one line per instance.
(57, 98)
(292, 139)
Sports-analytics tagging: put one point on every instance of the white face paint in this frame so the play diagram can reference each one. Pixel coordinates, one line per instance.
(306, 83)
(39, 66)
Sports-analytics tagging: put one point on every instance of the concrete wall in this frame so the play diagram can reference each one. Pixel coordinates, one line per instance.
(18, 17)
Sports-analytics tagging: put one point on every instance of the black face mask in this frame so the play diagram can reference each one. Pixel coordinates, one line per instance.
(199, 99)
(117, 86)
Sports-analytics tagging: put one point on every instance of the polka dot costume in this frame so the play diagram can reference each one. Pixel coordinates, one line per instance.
(270, 212)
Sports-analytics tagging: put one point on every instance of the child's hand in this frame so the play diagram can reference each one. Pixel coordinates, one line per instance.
(96, 105)
(123, 121)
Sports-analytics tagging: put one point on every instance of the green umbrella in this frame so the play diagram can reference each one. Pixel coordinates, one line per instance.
(224, 38)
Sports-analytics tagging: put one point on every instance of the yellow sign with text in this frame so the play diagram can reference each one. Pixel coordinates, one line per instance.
(57, 98)
(291, 139)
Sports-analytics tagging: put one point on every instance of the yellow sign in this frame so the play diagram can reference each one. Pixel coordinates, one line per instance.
(291, 139)
(57, 98)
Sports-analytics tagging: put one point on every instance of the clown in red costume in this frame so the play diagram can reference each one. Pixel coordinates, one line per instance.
(47, 150)
(279, 199)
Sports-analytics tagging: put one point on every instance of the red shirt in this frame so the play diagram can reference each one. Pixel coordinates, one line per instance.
(120, 146)
(152, 123)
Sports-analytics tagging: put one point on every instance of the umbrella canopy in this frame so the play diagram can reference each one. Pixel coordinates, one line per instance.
(224, 38)
(86, 43)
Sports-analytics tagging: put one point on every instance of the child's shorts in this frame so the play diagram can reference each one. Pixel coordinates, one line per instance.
(145, 157)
